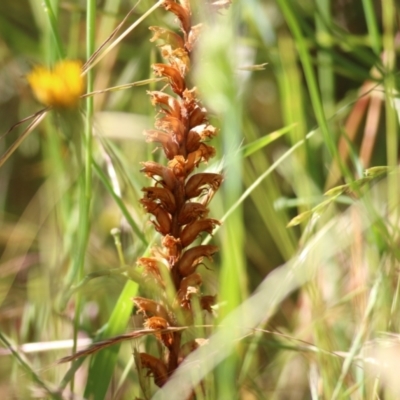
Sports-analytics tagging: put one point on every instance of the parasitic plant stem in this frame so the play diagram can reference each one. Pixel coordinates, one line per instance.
(178, 200)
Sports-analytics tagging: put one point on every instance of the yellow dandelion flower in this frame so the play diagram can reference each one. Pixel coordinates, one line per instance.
(60, 87)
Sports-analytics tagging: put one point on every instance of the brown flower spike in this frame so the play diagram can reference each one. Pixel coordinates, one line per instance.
(179, 199)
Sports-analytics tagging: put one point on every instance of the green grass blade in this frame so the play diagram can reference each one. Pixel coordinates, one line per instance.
(264, 141)
(306, 61)
(54, 28)
(326, 79)
(392, 141)
(273, 166)
(103, 363)
(120, 203)
(86, 186)
(372, 25)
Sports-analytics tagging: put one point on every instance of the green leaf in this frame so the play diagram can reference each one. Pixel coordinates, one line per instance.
(265, 140)
(103, 363)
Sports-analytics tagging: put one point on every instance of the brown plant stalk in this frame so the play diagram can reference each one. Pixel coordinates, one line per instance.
(179, 198)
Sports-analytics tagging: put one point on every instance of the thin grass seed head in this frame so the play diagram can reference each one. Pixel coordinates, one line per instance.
(60, 87)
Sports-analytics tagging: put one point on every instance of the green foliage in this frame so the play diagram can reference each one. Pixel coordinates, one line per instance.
(307, 278)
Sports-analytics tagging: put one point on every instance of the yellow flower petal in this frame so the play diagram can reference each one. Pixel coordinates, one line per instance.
(60, 87)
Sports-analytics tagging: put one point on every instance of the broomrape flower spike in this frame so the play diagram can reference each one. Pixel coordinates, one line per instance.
(60, 87)
(178, 200)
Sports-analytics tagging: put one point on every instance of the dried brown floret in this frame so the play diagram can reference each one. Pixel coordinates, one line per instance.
(169, 145)
(160, 323)
(177, 58)
(169, 37)
(207, 302)
(181, 11)
(163, 218)
(163, 195)
(151, 308)
(191, 231)
(198, 116)
(193, 257)
(157, 368)
(172, 247)
(188, 286)
(196, 184)
(151, 269)
(153, 169)
(173, 126)
(190, 212)
(174, 77)
(172, 105)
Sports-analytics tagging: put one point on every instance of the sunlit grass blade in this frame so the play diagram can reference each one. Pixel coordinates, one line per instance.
(103, 364)
(264, 141)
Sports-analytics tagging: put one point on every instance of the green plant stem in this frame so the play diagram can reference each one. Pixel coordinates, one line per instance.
(116, 233)
(87, 181)
(54, 28)
(372, 26)
(388, 12)
(326, 79)
(308, 68)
